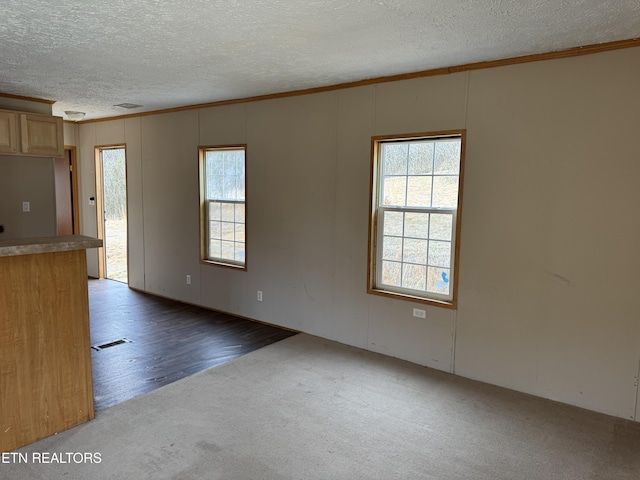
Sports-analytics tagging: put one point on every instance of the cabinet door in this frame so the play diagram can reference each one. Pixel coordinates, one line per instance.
(42, 135)
(8, 133)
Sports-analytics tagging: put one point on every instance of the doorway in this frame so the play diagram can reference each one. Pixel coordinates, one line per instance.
(66, 186)
(111, 190)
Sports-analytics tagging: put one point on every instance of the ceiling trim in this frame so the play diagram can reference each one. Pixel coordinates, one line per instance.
(537, 57)
(29, 99)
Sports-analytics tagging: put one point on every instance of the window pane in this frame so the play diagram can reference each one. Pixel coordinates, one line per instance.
(394, 190)
(240, 189)
(224, 172)
(228, 250)
(393, 223)
(392, 248)
(228, 231)
(440, 227)
(215, 230)
(447, 157)
(440, 254)
(214, 162)
(438, 280)
(415, 251)
(239, 232)
(214, 187)
(214, 175)
(421, 158)
(228, 212)
(240, 212)
(214, 248)
(230, 163)
(239, 254)
(391, 273)
(414, 277)
(419, 191)
(394, 158)
(214, 211)
(445, 191)
(229, 188)
(240, 164)
(416, 225)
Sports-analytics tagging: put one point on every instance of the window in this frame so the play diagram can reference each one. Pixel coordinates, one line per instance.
(415, 216)
(222, 205)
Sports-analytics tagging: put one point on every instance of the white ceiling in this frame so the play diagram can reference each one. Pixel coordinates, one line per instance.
(90, 55)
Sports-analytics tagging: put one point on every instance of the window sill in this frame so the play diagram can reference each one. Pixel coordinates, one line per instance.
(215, 263)
(452, 305)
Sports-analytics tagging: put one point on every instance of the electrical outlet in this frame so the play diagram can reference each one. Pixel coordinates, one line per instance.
(188, 279)
(259, 295)
(26, 206)
(418, 312)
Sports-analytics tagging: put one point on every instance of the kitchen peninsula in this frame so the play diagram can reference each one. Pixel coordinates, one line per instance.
(45, 357)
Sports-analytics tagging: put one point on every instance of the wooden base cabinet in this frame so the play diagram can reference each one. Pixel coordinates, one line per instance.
(45, 353)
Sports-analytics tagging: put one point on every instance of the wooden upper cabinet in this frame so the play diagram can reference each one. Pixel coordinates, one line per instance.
(42, 135)
(8, 133)
(31, 134)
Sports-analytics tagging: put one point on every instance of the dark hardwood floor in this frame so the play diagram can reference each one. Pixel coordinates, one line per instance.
(166, 340)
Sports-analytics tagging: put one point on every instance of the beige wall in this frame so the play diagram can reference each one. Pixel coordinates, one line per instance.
(549, 261)
(26, 179)
(21, 105)
(70, 134)
(89, 137)
(547, 301)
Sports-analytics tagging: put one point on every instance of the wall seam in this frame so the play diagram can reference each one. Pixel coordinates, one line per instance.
(374, 94)
(454, 332)
(637, 382)
(454, 323)
(335, 218)
(200, 233)
(144, 246)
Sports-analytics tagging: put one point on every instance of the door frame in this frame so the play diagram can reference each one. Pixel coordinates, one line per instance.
(75, 191)
(71, 182)
(102, 254)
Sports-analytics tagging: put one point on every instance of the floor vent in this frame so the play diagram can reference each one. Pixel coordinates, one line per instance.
(97, 348)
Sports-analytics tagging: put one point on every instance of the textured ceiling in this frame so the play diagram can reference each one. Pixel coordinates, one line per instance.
(90, 55)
